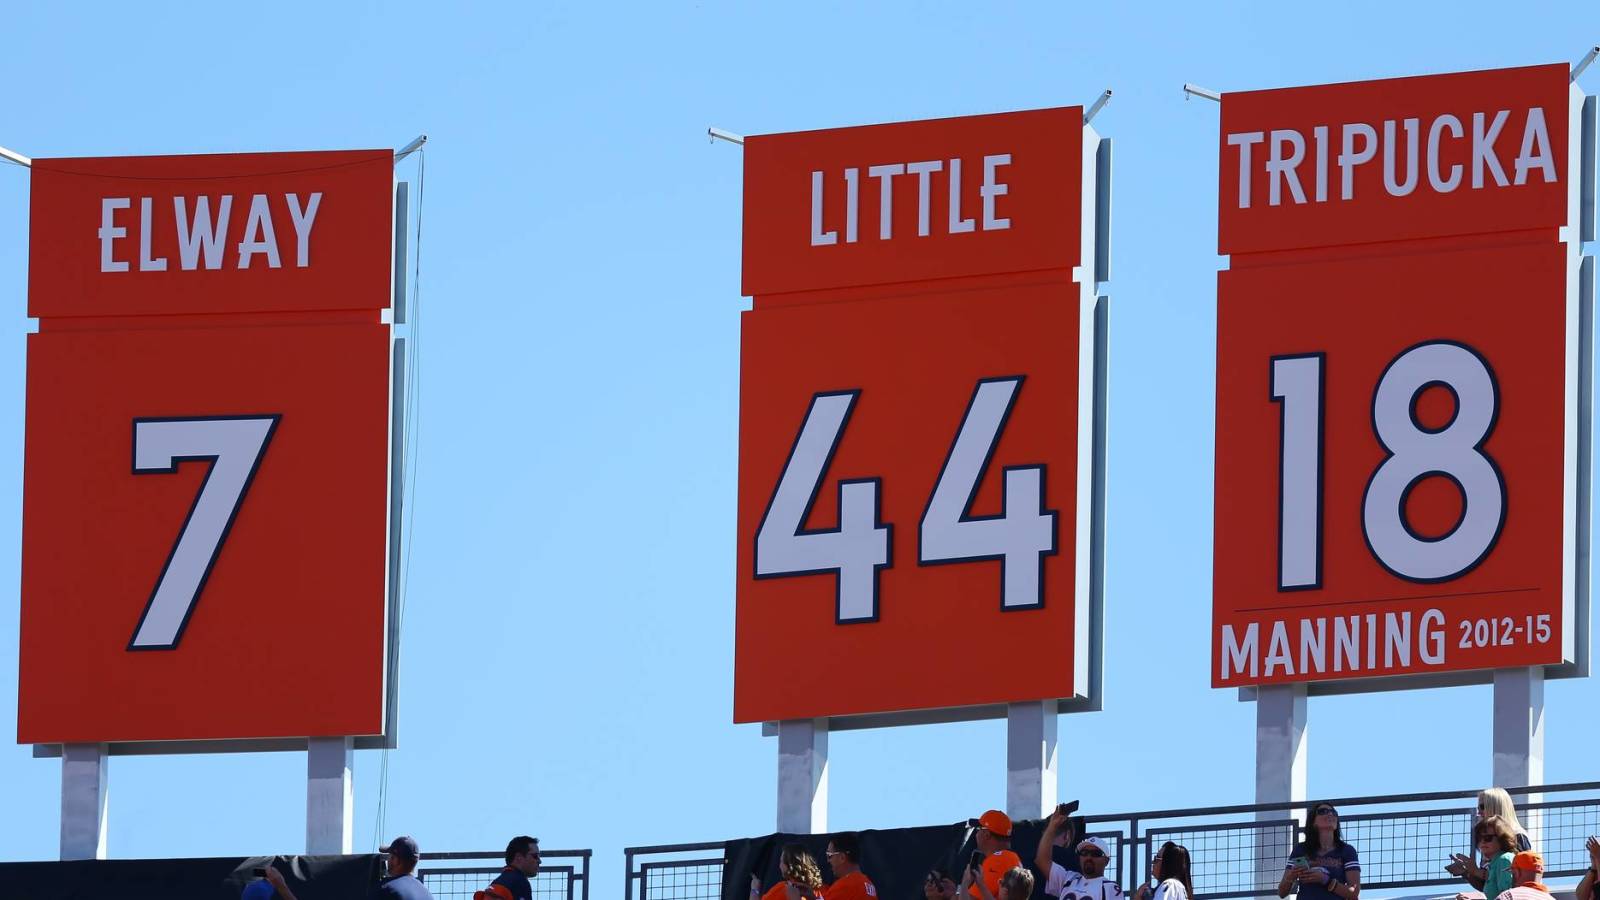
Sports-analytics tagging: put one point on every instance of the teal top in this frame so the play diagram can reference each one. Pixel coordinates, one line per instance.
(1498, 880)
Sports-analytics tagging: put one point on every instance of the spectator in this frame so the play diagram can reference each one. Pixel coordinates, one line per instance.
(1169, 869)
(1496, 802)
(1497, 845)
(1059, 834)
(939, 886)
(402, 865)
(798, 873)
(271, 887)
(993, 839)
(844, 858)
(522, 863)
(1585, 889)
(1526, 867)
(1090, 883)
(1323, 867)
(1016, 884)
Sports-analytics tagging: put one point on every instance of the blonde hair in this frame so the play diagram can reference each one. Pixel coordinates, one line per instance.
(799, 867)
(1496, 802)
(1495, 827)
(1020, 878)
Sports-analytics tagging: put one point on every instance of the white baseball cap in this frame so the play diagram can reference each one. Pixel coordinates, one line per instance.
(1097, 843)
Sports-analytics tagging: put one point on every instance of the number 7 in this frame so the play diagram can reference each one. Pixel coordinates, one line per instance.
(234, 446)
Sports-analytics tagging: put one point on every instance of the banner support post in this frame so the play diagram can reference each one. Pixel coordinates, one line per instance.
(1280, 767)
(330, 795)
(1031, 779)
(83, 801)
(1519, 726)
(803, 776)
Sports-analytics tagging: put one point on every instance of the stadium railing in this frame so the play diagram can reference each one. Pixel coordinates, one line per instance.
(1404, 841)
(563, 874)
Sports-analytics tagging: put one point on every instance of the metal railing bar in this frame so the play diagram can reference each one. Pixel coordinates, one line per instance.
(1225, 826)
(678, 848)
(1336, 801)
(678, 864)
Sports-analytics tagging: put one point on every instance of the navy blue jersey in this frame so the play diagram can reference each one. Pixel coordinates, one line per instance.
(517, 883)
(403, 887)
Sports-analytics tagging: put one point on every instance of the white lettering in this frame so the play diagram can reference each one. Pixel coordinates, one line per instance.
(1244, 140)
(1281, 168)
(1350, 158)
(1241, 657)
(1483, 149)
(1278, 651)
(958, 225)
(1440, 184)
(1396, 639)
(852, 203)
(1432, 636)
(885, 175)
(923, 170)
(1400, 188)
(992, 189)
(1535, 149)
(1313, 645)
(110, 231)
(258, 234)
(146, 262)
(1320, 134)
(819, 237)
(200, 235)
(1347, 644)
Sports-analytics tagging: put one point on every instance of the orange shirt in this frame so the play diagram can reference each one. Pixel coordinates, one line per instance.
(855, 886)
(994, 868)
(780, 891)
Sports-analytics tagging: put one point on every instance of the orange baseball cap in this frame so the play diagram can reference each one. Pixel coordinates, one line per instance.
(1528, 861)
(997, 822)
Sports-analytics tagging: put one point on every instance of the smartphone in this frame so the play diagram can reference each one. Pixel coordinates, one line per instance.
(1067, 809)
(259, 872)
(976, 862)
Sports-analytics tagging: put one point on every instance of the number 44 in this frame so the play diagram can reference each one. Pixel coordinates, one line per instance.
(860, 547)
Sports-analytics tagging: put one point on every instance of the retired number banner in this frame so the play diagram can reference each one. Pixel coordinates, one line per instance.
(1397, 378)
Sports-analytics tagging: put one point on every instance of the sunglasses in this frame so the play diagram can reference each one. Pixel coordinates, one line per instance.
(1325, 810)
(1091, 854)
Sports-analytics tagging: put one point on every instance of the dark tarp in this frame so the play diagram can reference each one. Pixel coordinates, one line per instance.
(896, 859)
(310, 877)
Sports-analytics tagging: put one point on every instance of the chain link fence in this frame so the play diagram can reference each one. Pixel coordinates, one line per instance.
(563, 874)
(1404, 841)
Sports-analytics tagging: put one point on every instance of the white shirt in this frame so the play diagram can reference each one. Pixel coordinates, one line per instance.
(1073, 886)
(1170, 889)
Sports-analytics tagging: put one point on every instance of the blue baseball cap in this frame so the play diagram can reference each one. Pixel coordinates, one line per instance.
(260, 889)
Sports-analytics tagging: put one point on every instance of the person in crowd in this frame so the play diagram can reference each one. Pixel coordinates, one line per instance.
(1090, 882)
(522, 863)
(1585, 889)
(402, 881)
(1526, 867)
(844, 859)
(1491, 802)
(266, 890)
(1015, 884)
(799, 876)
(1169, 869)
(1496, 843)
(1059, 835)
(939, 886)
(1323, 867)
(993, 840)
(1496, 802)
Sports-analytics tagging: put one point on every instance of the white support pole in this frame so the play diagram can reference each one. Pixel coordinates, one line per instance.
(1031, 786)
(1280, 770)
(803, 776)
(83, 801)
(330, 795)
(1518, 727)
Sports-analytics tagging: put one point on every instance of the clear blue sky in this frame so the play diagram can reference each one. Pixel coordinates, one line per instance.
(567, 654)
